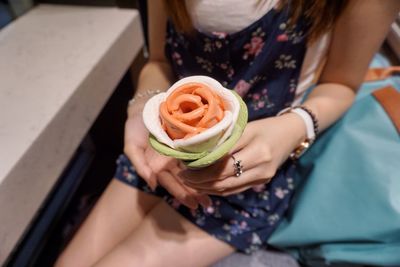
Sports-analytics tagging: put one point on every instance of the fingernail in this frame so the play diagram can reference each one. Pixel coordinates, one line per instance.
(205, 202)
(209, 201)
(153, 185)
(192, 203)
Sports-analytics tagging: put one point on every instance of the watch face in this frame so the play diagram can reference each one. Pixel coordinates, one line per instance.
(299, 151)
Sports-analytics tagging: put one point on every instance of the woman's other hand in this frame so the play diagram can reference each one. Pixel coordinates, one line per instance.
(155, 168)
(166, 170)
(135, 145)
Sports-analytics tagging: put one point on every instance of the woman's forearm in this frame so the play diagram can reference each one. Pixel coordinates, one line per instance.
(329, 101)
(155, 75)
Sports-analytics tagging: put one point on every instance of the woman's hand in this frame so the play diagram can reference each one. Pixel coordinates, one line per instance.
(166, 170)
(263, 147)
(135, 145)
(155, 168)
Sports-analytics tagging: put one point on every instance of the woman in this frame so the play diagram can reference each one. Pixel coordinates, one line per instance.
(269, 52)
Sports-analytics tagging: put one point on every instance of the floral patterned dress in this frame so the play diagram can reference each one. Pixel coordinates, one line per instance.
(262, 63)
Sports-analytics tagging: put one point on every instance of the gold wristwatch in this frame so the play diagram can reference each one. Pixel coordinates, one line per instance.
(312, 129)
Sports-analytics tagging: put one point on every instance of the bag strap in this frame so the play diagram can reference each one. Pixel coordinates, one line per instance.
(375, 74)
(389, 99)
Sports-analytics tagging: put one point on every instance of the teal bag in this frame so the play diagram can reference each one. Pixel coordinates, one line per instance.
(346, 209)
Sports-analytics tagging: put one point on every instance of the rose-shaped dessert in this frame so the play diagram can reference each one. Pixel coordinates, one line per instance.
(194, 119)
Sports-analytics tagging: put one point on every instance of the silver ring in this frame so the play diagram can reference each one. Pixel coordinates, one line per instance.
(237, 164)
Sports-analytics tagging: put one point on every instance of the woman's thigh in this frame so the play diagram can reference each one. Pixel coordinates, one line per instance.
(120, 209)
(165, 238)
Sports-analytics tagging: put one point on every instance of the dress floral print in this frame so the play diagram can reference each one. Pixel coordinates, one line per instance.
(261, 63)
(256, 44)
(285, 61)
(260, 100)
(290, 33)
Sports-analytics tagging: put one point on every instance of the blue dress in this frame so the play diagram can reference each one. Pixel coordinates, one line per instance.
(262, 63)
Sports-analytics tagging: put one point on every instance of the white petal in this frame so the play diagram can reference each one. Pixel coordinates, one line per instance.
(206, 140)
(151, 119)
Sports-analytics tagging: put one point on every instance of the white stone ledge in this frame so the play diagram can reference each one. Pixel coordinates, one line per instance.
(58, 67)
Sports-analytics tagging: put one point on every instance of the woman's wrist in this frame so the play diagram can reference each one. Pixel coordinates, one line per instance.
(296, 127)
(135, 109)
(136, 104)
(154, 78)
(284, 134)
(287, 131)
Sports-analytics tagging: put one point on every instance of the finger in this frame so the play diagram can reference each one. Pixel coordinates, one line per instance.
(209, 173)
(225, 168)
(243, 141)
(249, 176)
(181, 165)
(170, 183)
(203, 199)
(249, 158)
(239, 189)
(216, 170)
(158, 162)
(136, 156)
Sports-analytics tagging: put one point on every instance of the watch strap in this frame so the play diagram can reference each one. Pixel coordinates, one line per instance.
(308, 121)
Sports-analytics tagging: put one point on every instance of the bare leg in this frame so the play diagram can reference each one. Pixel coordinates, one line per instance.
(118, 212)
(165, 238)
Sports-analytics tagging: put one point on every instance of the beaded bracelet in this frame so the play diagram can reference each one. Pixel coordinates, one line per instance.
(141, 95)
(313, 117)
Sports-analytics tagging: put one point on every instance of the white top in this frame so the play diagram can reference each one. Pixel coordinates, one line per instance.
(231, 16)
(58, 66)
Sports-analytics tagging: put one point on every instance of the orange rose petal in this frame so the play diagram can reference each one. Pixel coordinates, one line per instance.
(212, 105)
(175, 128)
(183, 89)
(191, 109)
(188, 99)
(196, 114)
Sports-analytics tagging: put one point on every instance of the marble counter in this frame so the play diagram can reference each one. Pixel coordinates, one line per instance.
(58, 66)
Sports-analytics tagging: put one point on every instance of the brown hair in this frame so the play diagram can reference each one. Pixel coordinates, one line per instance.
(320, 14)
